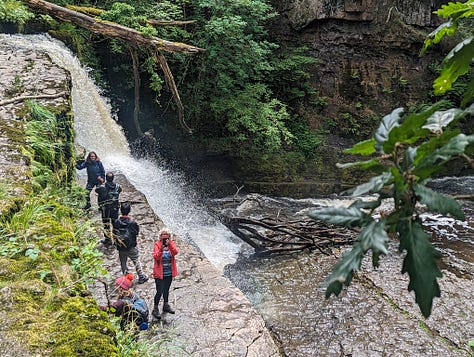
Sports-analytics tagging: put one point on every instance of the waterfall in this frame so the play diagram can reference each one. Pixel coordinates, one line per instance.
(96, 130)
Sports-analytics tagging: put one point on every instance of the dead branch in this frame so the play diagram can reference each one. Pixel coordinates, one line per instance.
(464, 197)
(136, 77)
(174, 90)
(169, 23)
(53, 270)
(268, 235)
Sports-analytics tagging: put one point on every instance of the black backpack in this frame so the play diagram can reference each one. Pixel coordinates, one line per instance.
(112, 197)
(125, 238)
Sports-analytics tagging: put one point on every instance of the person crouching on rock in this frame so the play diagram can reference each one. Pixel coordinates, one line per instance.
(164, 270)
(129, 306)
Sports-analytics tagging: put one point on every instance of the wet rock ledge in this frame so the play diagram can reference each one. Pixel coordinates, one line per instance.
(213, 317)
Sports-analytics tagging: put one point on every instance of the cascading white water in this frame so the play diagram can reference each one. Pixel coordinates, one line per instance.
(96, 130)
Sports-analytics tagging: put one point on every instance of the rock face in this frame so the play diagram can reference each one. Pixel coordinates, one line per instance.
(23, 73)
(368, 53)
(301, 13)
(213, 317)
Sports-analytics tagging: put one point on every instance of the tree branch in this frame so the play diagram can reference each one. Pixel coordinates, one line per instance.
(110, 29)
(174, 90)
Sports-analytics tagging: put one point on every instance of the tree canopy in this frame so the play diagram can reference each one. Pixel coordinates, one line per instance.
(228, 92)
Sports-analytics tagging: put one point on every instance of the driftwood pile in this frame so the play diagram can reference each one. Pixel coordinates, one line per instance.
(283, 233)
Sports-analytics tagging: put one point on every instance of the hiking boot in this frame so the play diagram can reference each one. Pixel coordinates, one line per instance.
(156, 313)
(142, 279)
(167, 308)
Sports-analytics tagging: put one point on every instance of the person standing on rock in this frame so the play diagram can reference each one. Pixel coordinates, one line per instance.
(108, 202)
(95, 174)
(164, 270)
(125, 233)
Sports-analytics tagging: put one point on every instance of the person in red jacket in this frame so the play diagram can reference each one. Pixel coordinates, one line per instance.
(164, 270)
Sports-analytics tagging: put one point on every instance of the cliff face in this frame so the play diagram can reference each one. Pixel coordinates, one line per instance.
(368, 53)
(302, 13)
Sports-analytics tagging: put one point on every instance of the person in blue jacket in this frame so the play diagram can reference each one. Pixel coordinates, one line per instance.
(95, 174)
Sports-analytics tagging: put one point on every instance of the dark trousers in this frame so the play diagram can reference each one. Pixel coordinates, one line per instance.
(162, 289)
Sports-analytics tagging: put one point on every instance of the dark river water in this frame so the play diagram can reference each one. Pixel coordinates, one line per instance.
(376, 315)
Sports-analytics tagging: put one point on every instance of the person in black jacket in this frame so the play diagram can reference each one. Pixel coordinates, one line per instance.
(125, 232)
(95, 173)
(108, 202)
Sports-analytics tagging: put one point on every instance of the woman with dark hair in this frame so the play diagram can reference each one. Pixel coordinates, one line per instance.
(95, 174)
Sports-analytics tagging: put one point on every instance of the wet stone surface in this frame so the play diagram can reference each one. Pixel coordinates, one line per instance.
(213, 317)
(375, 316)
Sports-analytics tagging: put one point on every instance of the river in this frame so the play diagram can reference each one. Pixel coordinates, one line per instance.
(375, 316)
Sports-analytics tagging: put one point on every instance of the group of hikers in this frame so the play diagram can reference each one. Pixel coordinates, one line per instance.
(122, 231)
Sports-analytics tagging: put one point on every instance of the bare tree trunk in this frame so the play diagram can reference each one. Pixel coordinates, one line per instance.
(136, 77)
(174, 90)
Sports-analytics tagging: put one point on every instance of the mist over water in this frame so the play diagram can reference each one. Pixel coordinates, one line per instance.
(96, 130)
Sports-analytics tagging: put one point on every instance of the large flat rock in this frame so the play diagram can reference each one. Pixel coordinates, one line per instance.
(213, 317)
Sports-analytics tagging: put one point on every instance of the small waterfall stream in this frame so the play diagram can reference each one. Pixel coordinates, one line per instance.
(375, 316)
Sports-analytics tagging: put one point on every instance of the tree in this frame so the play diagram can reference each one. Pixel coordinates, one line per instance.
(133, 38)
(406, 151)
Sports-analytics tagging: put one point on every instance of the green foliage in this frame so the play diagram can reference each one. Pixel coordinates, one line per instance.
(239, 59)
(158, 341)
(48, 147)
(41, 239)
(233, 88)
(290, 76)
(126, 15)
(411, 148)
(305, 140)
(255, 119)
(14, 11)
(458, 61)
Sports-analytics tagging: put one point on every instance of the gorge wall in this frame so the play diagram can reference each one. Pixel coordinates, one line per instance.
(368, 53)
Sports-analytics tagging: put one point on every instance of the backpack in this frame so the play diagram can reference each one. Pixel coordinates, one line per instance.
(112, 197)
(125, 236)
(139, 307)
